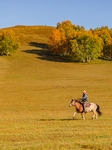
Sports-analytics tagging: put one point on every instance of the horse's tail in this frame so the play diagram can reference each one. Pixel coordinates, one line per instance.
(98, 110)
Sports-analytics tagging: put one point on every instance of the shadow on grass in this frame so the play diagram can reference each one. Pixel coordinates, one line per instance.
(56, 119)
(39, 45)
(42, 52)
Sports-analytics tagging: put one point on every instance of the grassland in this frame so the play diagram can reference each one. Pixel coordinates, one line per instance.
(35, 94)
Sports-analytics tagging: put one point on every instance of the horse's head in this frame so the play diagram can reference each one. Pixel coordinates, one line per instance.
(72, 103)
(77, 104)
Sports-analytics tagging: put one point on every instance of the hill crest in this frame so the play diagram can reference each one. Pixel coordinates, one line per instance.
(29, 34)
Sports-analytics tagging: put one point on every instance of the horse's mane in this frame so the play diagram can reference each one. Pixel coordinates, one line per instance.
(78, 101)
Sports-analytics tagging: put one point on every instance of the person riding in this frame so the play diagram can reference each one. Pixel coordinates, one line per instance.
(84, 99)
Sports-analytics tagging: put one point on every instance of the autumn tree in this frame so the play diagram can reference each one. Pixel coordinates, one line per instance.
(86, 46)
(56, 42)
(106, 34)
(75, 42)
(107, 50)
(8, 42)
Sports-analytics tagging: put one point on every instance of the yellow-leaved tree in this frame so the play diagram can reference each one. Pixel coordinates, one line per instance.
(75, 43)
(56, 42)
(106, 34)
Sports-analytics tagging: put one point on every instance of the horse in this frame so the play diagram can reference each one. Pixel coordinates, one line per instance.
(95, 108)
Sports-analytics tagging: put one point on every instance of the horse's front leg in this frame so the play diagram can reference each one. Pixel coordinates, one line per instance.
(74, 115)
(83, 117)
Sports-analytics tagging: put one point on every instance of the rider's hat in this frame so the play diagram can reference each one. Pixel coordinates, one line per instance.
(84, 91)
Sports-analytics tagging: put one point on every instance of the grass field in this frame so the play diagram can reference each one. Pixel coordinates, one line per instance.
(34, 98)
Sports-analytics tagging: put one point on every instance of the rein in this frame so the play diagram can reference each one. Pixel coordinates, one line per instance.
(78, 101)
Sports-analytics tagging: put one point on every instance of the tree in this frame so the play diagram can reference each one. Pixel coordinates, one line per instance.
(8, 42)
(76, 43)
(107, 51)
(106, 34)
(86, 46)
(59, 42)
(56, 42)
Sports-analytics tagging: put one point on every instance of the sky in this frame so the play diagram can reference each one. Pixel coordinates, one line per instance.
(87, 13)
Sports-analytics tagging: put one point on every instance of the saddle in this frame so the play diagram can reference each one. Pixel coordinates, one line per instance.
(87, 104)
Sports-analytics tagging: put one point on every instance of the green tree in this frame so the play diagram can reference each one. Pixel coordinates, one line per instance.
(8, 42)
(86, 46)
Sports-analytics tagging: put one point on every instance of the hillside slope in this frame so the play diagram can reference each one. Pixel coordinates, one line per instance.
(35, 94)
(28, 34)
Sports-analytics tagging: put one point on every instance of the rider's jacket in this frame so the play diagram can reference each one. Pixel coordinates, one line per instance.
(84, 98)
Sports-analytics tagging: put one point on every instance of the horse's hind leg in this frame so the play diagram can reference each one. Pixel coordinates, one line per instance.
(82, 114)
(94, 115)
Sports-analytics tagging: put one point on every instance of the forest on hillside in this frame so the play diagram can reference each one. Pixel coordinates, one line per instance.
(77, 44)
(66, 41)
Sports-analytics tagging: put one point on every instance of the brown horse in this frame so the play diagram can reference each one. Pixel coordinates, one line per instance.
(91, 107)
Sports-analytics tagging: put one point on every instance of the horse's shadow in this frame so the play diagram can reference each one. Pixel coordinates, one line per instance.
(57, 119)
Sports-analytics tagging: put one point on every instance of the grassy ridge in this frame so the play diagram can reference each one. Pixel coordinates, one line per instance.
(34, 98)
(28, 34)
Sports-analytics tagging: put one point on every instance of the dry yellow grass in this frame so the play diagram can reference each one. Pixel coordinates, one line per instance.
(28, 34)
(34, 98)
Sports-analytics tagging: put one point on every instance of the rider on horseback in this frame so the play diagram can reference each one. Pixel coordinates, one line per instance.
(84, 99)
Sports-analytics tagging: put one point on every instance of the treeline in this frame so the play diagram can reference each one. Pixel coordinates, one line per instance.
(75, 43)
(9, 42)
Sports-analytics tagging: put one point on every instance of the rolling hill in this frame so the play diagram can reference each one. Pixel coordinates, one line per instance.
(26, 34)
(35, 94)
